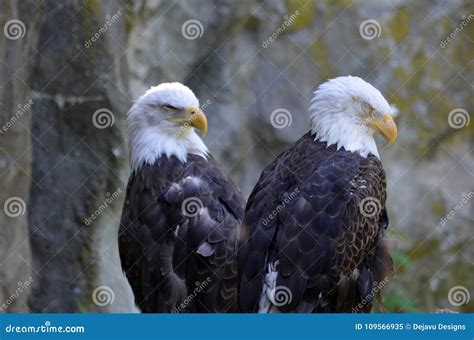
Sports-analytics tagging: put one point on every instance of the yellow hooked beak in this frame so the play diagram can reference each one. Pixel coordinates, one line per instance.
(386, 127)
(197, 119)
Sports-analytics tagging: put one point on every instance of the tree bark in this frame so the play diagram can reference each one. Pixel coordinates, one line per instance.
(18, 43)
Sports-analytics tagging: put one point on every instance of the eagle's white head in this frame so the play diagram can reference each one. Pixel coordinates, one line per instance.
(162, 122)
(346, 111)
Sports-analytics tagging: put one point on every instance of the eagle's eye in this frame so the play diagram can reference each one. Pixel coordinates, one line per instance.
(369, 109)
(169, 108)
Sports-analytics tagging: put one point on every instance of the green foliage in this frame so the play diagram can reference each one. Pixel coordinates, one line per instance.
(395, 302)
(401, 259)
(81, 308)
(305, 10)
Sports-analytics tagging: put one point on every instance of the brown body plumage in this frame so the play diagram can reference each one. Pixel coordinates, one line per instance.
(178, 261)
(318, 214)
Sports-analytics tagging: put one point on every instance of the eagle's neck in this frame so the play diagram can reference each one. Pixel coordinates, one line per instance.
(342, 130)
(147, 144)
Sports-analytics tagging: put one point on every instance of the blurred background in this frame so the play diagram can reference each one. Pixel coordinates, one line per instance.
(70, 70)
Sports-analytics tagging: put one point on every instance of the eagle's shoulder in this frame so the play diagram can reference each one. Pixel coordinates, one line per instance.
(223, 188)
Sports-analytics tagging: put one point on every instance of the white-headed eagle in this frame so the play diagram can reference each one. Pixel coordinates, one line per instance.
(181, 217)
(312, 237)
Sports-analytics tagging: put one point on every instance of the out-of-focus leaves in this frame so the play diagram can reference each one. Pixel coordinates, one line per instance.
(397, 303)
(81, 308)
(399, 234)
(401, 259)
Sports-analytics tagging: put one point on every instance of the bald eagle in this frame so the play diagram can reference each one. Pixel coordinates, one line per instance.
(313, 233)
(181, 217)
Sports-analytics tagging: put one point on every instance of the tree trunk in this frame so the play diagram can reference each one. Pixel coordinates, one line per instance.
(17, 46)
